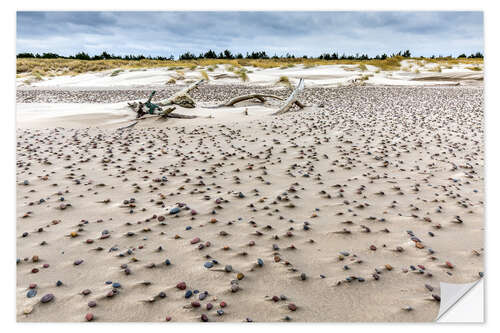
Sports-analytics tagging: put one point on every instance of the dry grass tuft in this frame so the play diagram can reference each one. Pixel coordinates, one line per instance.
(285, 81)
(435, 69)
(204, 75)
(474, 68)
(363, 67)
(116, 72)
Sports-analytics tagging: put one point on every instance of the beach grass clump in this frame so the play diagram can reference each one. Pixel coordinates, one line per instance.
(116, 72)
(171, 81)
(474, 68)
(242, 73)
(435, 69)
(362, 67)
(204, 75)
(285, 81)
(366, 77)
(388, 64)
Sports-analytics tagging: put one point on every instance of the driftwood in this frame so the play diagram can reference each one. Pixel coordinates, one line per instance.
(168, 113)
(128, 126)
(181, 116)
(260, 97)
(182, 98)
(292, 99)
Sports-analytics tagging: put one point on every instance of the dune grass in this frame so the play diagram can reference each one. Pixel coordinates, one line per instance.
(435, 69)
(116, 72)
(474, 68)
(56, 67)
(204, 75)
(285, 81)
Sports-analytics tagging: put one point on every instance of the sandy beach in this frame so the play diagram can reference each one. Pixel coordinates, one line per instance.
(354, 208)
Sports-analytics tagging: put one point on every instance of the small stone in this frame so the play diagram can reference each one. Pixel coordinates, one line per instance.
(188, 294)
(174, 210)
(168, 318)
(195, 240)
(31, 293)
(204, 318)
(240, 276)
(91, 304)
(181, 285)
(209, 306)
(292, 307)
(89, 316)
(78, 262)
(47, 298)
(208, 264)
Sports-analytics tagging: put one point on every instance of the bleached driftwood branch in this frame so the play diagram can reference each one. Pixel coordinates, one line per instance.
(182, 97)
(260, 97)
(292, 99)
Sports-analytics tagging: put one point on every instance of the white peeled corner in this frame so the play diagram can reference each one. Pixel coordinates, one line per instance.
(462, 302)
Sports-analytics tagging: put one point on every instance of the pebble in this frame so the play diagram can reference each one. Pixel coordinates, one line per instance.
(47, 298)
(174, 210)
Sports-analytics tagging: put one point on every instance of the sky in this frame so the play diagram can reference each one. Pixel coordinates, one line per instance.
(298, 33)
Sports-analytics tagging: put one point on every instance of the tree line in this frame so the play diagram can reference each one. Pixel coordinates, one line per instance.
(226, 54)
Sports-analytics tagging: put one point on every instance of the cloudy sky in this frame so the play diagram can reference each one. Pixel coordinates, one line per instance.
(299, 33)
